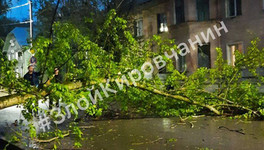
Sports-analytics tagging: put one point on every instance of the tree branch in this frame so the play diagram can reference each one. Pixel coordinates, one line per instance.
(50, 36)
(240, 107)
(52, 139)
(178, 97)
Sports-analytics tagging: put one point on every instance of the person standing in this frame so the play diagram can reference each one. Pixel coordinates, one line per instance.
(32, 77)
(56, 79)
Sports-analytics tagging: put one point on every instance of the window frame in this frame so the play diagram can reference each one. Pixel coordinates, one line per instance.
(182, 65)
(175, 12)
(228, 51)
(209, 56)
(227, 2)
(159, 22)
(138, 28)
(197, 11)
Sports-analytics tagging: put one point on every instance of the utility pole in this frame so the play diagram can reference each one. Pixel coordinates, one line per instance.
(30, 22)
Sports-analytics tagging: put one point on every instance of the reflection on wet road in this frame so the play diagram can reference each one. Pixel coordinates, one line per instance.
(171, 133)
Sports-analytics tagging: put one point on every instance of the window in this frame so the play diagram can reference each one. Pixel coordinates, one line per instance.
(139, 28)
(179, 11)
(234, 8)
(204, 56)
(8, 56)
(231, 48)
(12, 56)
(202, 7)
(162, 23)
(20, 54)
(16, 55)
(182, 63)
(17, 73)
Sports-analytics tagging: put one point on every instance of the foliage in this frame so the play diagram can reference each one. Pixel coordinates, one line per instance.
(112, 52)
(5, 22)
(85, 15)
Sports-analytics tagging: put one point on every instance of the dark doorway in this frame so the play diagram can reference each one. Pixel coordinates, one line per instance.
(204, 56)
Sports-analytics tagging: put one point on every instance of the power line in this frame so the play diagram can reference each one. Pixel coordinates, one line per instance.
(120, 4)
(25, 22)
(16, 7)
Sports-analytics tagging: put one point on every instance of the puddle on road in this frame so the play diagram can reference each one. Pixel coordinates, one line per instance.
(158, 133)
(170, 133)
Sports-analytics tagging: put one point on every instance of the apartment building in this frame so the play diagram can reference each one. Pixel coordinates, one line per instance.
(182, 20)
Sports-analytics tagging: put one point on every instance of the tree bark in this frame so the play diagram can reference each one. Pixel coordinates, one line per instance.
(15, 99)
(12, 100)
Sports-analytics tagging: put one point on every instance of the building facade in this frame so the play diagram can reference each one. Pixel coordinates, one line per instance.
(182, 20)
(16, 47)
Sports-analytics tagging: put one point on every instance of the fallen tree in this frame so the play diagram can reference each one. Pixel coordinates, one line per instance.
(8, 101)
(16, 99)
(112, 54)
